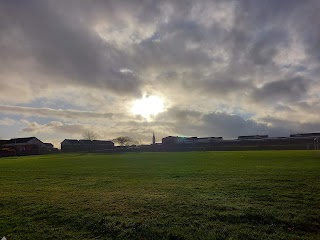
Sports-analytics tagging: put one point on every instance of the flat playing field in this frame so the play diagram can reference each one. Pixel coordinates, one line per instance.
(193, 195)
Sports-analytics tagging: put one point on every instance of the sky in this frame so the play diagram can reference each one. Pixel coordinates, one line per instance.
(216, 68)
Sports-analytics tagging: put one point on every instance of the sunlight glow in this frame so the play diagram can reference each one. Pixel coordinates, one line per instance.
(148, 106)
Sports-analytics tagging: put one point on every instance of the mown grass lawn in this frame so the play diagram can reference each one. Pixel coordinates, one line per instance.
(194, 195)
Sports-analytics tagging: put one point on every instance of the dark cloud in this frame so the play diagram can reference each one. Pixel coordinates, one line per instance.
(223, 86)
(293, 125)
(60, 40)
(62, 47)
(309, 107)
(175, 117)
(186, 122)
(230, 125)
(287, 90)
(266, 46)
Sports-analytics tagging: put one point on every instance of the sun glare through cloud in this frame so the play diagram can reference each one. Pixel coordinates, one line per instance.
(148, 106)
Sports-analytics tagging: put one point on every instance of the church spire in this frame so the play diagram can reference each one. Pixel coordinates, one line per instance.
(153, 139)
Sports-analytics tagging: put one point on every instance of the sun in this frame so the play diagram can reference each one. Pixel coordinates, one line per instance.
(147, 106)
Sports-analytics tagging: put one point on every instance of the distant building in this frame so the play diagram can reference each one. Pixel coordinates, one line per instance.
(25, 141)
(153, 139)
(253, 137)
(70, 145)
(209, 139)
(189, 140)
(102, 144)
(23, 146)
(49, 145)
(73, 145)
(305, 135)
(169, 140)
(2, 142)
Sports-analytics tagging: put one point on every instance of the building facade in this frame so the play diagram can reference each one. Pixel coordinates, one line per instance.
(73, 145)
(22, 146)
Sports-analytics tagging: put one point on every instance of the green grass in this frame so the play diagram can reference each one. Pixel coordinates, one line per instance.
(194, 195)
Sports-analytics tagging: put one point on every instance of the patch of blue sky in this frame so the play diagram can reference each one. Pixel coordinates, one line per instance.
(234, 110)
(14, 117)
(41, 120)
(155, 37)
(17, 117)
(229, 109)
(8, 132)
(243, 114)
(54, 104)
(296, 68)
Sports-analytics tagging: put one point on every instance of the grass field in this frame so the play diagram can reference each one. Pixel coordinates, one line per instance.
(194, 195)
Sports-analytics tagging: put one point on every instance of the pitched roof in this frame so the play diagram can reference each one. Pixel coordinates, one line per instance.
(84, 141)
(253, 137)
(101, 141)
(48, 144)
(72, 141)
(20, 140)
(305, 135)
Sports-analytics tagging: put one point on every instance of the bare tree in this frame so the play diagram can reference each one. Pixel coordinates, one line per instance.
(89, 135)
(124, 141)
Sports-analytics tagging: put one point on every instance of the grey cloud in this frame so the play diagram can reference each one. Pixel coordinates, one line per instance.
(266, 46)
(7, 122)
(293, 125)
(63, 49)
(261, 29)
(186, 122)
(61, 41)
(267, 11)
(55, 126)
(282, 108)
(310, 107)
(224, 86)
(53, 113)
(169, 53)
(305, 23)
(215, 85)
(286, 90)
(177, 115)
(233, 125)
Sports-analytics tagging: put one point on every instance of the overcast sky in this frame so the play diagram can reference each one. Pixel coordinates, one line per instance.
(223, 68)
